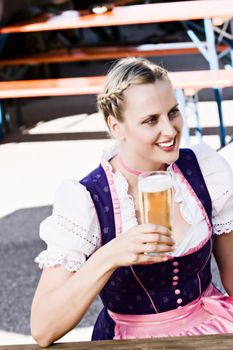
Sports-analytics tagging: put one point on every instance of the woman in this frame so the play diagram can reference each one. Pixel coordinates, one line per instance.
(97, 244)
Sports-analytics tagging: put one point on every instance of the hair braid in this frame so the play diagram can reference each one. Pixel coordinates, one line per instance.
(126, 72)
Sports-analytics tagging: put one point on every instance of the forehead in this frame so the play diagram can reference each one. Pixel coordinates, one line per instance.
(152, 98)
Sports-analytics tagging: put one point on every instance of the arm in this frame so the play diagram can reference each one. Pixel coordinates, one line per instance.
(223, 252)
(63, 297)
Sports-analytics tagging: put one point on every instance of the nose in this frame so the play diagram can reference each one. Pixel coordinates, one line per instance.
(166, 126)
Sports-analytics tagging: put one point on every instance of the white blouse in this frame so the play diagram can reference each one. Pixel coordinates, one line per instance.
(72, 232)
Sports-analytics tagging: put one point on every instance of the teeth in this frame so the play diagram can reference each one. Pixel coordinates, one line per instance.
(166, 144)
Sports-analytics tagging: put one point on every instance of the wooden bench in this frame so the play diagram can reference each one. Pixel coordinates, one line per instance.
(185, 83)
(189, 81)
(125, 15)
(120, 15)
(105, 52)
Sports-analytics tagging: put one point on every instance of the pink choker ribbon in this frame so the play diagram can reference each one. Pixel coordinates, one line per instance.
(131, 170)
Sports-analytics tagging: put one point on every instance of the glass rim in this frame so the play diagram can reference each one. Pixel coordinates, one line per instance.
(154, 172)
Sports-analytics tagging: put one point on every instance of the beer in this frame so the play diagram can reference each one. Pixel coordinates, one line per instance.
(155, 198)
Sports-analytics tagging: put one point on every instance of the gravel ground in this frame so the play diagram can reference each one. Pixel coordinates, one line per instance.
(19, 275)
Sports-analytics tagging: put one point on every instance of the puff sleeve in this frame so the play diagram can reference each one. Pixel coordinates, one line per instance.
(72, 232)
(218, 176)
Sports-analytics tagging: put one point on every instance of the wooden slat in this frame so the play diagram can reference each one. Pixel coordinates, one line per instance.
(202, 79)
(207, 342)
(51, 87)
(195, 80)
(108, 52)
(134, 14)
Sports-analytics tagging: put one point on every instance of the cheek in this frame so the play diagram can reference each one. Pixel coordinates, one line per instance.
(179, 123)
(133, 132)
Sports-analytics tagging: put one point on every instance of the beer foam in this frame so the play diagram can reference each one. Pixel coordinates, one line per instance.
(154, 183)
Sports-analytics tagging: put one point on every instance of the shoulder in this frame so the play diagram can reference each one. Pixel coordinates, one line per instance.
(212, 164)
(218, 176)
(71, 196)
(72, 232)
(202, 150)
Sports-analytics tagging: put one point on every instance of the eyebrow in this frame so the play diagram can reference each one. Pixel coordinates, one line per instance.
(157, 115)
(176, 105)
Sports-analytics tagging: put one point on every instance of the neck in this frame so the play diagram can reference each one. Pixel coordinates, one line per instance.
(130, 170)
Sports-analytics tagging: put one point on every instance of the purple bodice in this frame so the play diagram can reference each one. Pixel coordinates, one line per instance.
(147, 289)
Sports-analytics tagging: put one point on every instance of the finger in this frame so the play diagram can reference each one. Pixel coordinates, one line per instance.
(152, 254)
(155, 237)
(149, 259)
(156, 248)
(151, 228)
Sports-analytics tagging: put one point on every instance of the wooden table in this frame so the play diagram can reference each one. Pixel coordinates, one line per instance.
(208, 342)
(191, 81)
(207, 10)
(134, 14)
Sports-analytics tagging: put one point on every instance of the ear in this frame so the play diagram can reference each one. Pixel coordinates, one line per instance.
(115, 128)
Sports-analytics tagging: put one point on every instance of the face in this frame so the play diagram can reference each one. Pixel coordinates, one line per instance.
(150, 134)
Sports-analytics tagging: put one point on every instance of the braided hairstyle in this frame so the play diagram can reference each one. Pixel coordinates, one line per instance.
(126, 72)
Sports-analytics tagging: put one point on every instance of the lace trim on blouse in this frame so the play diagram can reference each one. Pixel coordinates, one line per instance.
(223, 220)
(78, 230)
(48, 258)
(227, 227)
(126, 201)
(180, 187)
(127, 205)
(227, 194)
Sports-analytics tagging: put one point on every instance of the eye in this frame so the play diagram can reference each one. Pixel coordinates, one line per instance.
(174, 113)
(151, 120)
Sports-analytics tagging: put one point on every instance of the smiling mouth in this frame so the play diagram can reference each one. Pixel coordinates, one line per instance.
(168, 145)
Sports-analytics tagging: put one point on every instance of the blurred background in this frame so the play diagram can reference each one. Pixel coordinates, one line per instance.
(63, 137)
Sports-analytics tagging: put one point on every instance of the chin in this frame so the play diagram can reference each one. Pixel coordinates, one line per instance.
(172, 158)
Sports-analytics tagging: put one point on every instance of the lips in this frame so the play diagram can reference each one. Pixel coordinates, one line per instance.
(168, 145)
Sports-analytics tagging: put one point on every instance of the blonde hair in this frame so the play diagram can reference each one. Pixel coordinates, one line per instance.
(126, 72)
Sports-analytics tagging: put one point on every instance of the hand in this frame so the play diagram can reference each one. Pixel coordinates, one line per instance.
(134, 246)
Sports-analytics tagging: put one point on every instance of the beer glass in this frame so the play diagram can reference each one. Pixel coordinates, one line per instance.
(155, 198)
